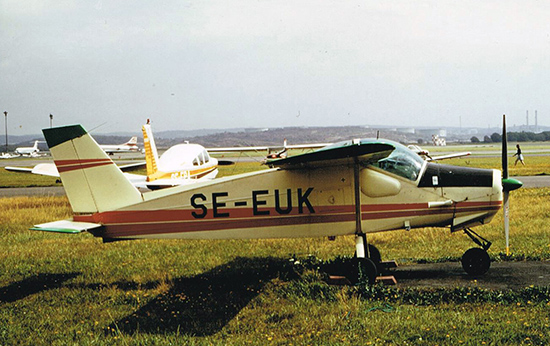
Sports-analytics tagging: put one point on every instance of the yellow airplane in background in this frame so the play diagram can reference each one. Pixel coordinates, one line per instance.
(181, 164)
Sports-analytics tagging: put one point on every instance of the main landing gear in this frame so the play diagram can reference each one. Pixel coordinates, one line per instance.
(366, 263)
(476, 261)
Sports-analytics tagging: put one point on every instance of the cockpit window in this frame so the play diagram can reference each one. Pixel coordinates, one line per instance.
(402, 162)
(201, 158)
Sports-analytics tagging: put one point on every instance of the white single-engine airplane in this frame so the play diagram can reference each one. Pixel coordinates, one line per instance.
(128, 147)
(353, 187)
(181, 164)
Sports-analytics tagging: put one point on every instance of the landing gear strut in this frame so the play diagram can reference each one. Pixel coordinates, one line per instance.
(476, 261)
(364, 265)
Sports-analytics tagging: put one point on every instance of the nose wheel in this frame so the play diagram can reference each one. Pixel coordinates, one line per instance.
(476, 261)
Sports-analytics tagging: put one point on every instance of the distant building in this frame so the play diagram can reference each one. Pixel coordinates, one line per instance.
(438, 141)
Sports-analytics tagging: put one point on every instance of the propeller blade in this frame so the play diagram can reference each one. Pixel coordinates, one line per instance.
(506, 210)
(504, 149)
(507, 185)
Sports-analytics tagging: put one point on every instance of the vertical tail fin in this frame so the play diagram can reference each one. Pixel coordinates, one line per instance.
(132, 141)
(151, 155)
(92, 181)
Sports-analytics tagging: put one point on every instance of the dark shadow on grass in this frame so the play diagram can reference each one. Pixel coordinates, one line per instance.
(35, 284)
(203, 304)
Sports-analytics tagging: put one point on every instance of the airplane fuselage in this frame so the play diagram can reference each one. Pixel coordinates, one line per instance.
(304, 203)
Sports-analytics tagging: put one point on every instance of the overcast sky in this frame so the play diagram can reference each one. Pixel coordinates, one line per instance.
(226, 64)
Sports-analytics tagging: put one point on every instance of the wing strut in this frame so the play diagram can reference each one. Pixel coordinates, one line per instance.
(360, 237)
(362, 265)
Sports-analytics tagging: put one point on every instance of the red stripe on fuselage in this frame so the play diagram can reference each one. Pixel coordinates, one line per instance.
(144, 222)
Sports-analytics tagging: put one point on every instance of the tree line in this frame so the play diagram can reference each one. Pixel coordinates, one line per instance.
(514, 137)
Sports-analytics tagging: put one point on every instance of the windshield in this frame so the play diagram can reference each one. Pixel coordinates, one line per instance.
(402, 162)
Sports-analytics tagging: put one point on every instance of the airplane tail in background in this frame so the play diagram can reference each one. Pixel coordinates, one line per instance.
(92, 181)
(35, 146)
(151, 154)
(132, 141)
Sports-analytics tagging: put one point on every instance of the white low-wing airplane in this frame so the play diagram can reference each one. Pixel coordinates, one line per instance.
(181, 164)
(127, 147)
(28, 151)
(353, 187)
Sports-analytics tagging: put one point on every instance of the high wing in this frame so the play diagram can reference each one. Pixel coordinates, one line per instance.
(272, 152)
(448, 156)
(336, 154)
(266, 148)
(425, 154)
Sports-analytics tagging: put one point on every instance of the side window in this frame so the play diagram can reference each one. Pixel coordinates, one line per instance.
(196, 161)
(206, 156)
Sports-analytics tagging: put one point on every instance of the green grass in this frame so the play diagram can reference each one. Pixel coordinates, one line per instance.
(14, 179)
(74, 290)
(240, 167)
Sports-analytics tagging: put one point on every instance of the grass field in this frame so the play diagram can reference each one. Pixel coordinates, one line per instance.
(74, 290)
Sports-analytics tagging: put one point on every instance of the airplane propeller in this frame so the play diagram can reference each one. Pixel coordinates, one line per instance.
(508, 185)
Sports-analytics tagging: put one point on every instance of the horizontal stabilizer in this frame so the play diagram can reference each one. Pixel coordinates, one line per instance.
(66, 226)
(18, 169)
(337, 154)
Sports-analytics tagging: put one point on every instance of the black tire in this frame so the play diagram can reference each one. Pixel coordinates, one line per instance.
(362, 270)
(374, 254)
(476, 261)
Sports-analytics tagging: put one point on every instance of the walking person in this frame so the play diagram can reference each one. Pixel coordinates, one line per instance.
(519, 155)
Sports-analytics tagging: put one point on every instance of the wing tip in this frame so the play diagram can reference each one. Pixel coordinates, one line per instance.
(58, 135)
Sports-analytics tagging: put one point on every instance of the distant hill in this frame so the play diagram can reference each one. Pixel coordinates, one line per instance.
(276, 136)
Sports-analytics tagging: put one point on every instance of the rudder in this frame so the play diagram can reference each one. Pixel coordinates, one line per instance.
(151, 154)
(92, 181)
